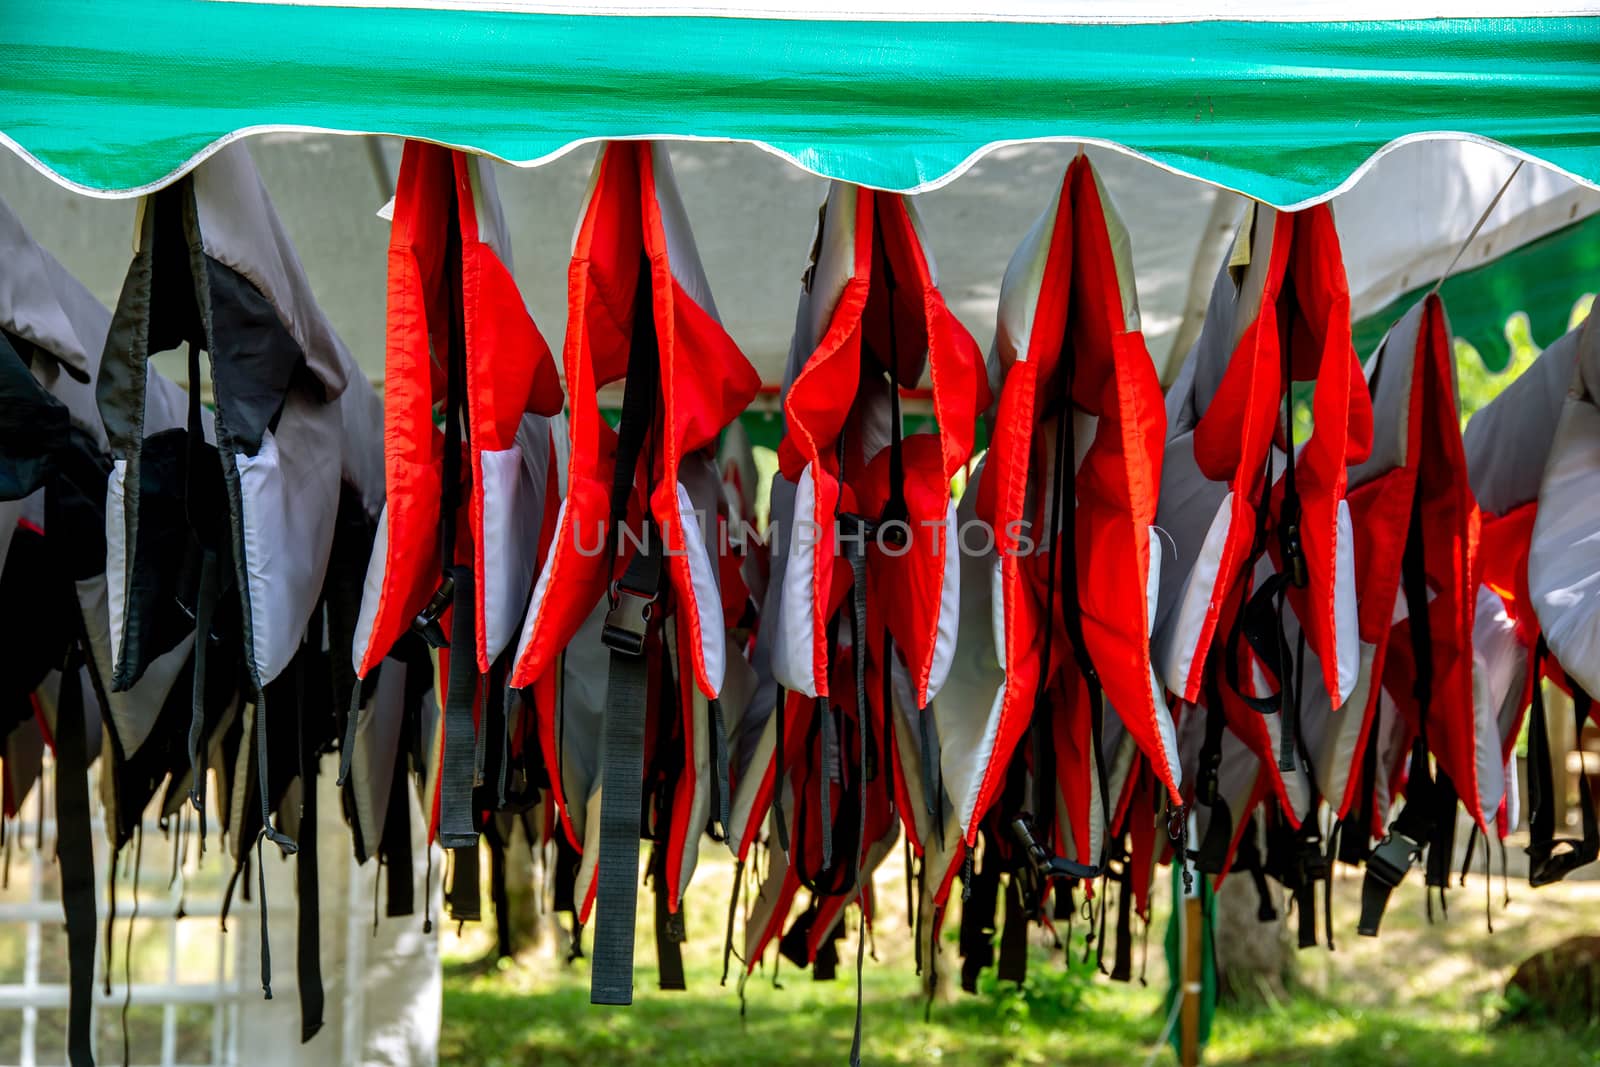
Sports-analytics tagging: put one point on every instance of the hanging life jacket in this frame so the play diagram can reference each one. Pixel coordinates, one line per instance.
(1508, 445)
(1069, 491)
(240, 534)
(1416, 548)
(1253, 545)
(632, 536)
(1561, 560)
(456, 544)
(868, 559)
(55, 682)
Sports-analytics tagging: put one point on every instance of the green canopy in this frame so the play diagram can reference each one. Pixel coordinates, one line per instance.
(119, 97)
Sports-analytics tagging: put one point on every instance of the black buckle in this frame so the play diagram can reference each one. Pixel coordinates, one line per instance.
(1392, 857)
(1045, 865)
(628, 621)
(1294, 553)
(427, 621)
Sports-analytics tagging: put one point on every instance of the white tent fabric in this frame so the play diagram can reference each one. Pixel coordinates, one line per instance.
(1401, 224)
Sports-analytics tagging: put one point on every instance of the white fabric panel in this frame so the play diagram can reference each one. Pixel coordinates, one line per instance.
(240, 228)
(1176, 645)
(1019, 292)
(371, 590)
(541, 588)
(944, 645)
(682, 256)
(510, 537)
(1508, 441)
(793, 662)
(1564, 557)
(492, 229)
(1499, 663)
(966, 712)
(289, 496)
(1346, 617)
(832, 266)
(117, 558)
(707, 600)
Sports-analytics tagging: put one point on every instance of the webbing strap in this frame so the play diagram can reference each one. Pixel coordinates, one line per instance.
(1122, 962)
(670, 934)
(1415, 825)
(1550, 859)
(75, 853)
(1013, 957)
(977, 919)
(617, 879)
(499, 895)
(857, 557)
(465, 900)
(347, 747)
(309, 942)
(395, 848)
(626, 631)
(720, 800)
(457, 763)
(780, 822)
(828, 765)
(205, 608)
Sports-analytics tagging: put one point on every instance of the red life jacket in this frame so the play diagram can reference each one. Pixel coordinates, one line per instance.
(646, 495)
(458, 335)
(1079, 558)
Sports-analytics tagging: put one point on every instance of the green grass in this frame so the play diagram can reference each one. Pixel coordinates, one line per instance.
(1421, 995)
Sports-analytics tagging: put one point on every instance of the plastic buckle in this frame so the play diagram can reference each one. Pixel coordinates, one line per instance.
(1294, 554)
(628, 620)
(1392, 857)
(1046, 866)
(427, 621)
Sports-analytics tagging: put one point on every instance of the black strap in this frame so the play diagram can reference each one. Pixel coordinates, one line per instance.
(395, 848)
(75, 853)
(457, 763)
(1122, 962)
(499, 893)
(670, 934)
(856, 555)
(982, 895)
(1551, 859)
(627, 692)
(1415, 826)
(205, 609)
(309, 942)
(720, 798)
(780, 771)
(622, 772)
(465, 897)
(1013, 959)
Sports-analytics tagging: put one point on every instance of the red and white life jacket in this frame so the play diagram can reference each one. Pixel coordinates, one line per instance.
(459, 336)
(865, 562)
(1279, 313)
(640, 314)
(1076, 493)
(1416, 526)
